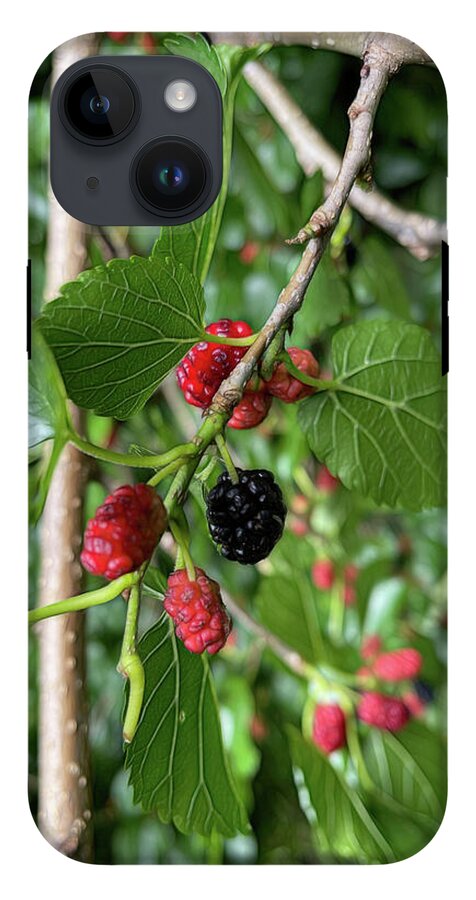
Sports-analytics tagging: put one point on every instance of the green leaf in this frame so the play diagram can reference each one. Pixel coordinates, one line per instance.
(47, 400)
(288, 606)
(48, 418)
(343, 825)
(327, 301)
(196, 47)
(409, 769)
(118, 330)
(381, 426)
(376, 278)
(193, 244)
(177, 763)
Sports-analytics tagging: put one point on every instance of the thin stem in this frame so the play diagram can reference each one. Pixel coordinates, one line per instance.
(181, 542)
(84, 601)
(225, 455)
(165, 472)
(130, 666)
(131, 459)
(317, 383)
(229, 341)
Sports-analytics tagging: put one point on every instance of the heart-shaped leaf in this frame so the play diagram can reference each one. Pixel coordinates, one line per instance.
(119, 329)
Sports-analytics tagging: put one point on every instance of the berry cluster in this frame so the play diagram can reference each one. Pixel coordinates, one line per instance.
(124, 531)
(324, 574)
(379, 710)
(198, 612)
(246, 519)
(206, 365)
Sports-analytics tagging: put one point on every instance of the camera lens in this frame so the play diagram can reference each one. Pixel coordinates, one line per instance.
(100, 104)
(170, 175)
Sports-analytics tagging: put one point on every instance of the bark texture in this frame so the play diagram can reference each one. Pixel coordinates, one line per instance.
(64, 813)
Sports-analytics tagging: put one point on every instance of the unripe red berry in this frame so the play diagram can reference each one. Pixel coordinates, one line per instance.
(325, 481)
(323, 574)
(206, 365)
(252, 409)
(350, 576)
(382, 711)
(300, 504)
(200, 617)
(249, 252)
(124, 531)
(398, 665)
(328, 729)
(147, 42)
(299, 526)
(371, 645)
(285, 386)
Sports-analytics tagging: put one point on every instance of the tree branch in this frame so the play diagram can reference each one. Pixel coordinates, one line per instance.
(354, 43)
(377, 68)
(64, 802)
(420, 234)
(290, 657)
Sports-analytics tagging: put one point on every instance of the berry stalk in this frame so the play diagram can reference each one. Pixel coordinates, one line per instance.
(84, 601)
(151, 461)
(130, 666)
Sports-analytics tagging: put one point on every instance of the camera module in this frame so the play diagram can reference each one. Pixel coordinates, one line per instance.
(170, 175)
(100, 104)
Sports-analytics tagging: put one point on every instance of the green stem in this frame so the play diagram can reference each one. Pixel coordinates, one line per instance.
(182, 544)
(318, 383)
(130, 666)
(84, 601)
(131, 459)
(225, 455)
(229, 341)
(166, 471)
(272, 353)
(206, 434)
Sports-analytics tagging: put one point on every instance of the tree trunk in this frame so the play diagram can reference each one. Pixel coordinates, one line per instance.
(64, 812)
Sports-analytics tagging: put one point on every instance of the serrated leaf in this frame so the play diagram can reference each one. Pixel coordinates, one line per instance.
(118, 330)
(381, 428)
(409, 769)
(196, 47)
(344, 827)
(47, 401)
(178, 767)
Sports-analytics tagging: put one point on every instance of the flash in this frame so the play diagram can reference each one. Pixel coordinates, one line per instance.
(180, 96)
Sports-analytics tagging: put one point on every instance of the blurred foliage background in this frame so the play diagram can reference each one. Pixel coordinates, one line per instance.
(400, 589)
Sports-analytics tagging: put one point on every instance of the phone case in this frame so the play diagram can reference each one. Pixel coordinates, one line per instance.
(237, 475)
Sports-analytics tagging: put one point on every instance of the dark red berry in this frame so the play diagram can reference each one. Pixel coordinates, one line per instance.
(206, 365)
(323, 574)
(285, 386)
(328, 729)
(118, 36)
(124, 531)
(252, 409)
(398, 665)
(200, 617)
(382, 711)
(371, 645)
